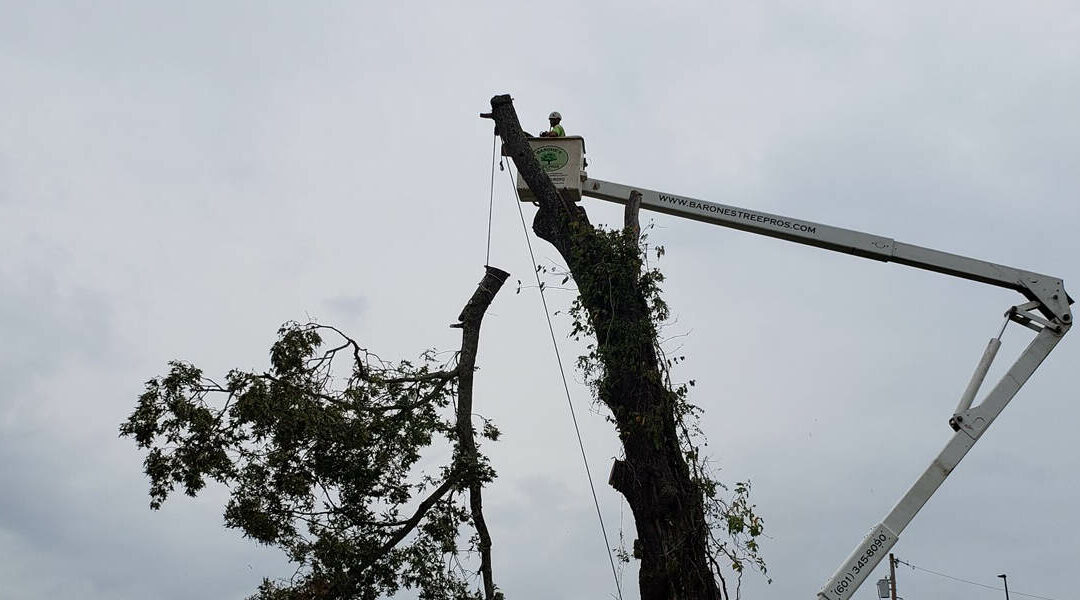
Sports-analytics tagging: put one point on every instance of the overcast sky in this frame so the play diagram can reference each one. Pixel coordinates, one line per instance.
(177, 182)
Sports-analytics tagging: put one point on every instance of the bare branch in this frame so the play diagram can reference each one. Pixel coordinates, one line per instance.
(418, 516)
(470, 318)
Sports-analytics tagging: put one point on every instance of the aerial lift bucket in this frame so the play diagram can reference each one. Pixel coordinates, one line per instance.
(562, 158)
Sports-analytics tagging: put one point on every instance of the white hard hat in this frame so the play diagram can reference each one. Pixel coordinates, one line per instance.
(555, 115)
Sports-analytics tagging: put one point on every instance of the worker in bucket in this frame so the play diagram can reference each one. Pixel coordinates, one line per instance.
(556, 130)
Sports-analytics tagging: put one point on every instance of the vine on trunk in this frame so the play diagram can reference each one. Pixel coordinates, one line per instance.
(687, 532)
(732, 523)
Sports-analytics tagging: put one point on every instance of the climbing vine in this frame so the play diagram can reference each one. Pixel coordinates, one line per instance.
(733, 525)
(687, 533)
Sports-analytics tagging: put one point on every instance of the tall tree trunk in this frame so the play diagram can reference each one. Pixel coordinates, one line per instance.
(653, 476)
(470, 319)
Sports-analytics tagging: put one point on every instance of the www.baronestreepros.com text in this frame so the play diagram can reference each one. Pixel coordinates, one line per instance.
(739, 214)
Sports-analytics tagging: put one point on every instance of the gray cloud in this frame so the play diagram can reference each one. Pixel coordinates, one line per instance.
(346, 307)
(177, 183)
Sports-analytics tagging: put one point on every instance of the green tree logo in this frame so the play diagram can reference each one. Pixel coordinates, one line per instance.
(551, 158)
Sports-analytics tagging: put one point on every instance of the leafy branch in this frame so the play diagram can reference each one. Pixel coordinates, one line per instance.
(323, 456)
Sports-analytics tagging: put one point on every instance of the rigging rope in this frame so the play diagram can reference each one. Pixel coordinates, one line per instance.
(562, 372)
(491, 197)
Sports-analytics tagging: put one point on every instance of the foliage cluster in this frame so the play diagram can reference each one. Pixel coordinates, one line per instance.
(734, 526)
(326, 462)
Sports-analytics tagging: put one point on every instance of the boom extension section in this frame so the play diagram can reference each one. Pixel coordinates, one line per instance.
(1046, 296)
(1047, 291)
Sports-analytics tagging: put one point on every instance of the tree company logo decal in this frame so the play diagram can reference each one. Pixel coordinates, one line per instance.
(552, 158)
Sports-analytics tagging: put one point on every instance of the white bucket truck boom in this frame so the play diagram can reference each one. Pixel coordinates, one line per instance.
(1046, 312)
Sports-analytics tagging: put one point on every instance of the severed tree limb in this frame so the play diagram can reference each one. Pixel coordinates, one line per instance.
(470, 319)
(558, 216)
(630, 215)
(464, 471)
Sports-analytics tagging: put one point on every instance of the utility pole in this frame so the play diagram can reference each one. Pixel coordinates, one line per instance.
(892, 575)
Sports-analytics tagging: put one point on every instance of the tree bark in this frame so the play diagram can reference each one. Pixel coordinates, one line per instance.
(470, 319)
(653, 476)
(631, 225)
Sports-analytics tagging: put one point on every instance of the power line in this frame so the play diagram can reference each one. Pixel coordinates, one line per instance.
(566, 387)
(975, 583)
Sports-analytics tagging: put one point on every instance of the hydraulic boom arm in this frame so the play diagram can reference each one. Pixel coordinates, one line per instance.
(1046, 296)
